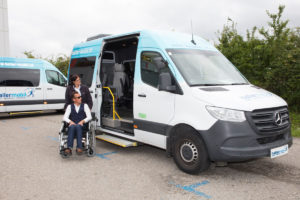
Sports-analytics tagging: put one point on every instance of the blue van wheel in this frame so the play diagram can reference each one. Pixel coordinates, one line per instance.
(189, 151)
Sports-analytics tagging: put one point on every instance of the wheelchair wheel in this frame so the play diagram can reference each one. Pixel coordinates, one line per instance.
(91, 151)
(63, 155)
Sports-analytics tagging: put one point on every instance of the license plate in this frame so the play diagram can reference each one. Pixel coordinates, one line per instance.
(279, 151)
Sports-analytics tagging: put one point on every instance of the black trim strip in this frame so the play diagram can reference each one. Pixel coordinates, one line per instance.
(152, 127)
(31, 102)
(53, 101)
(117, 39)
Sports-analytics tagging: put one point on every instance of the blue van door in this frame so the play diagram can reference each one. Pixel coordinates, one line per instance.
(153, 109)
(24, 90)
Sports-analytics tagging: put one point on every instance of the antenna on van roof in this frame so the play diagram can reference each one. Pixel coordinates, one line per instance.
(192, 41)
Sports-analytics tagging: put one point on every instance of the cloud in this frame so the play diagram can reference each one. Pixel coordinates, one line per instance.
(53, 27)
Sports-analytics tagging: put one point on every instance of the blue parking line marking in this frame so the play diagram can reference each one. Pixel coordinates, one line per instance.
(53, 138)
(105, 154)
(25, 128)
(191, 188)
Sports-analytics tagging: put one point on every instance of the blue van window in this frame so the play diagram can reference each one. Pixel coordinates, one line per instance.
(53, 77)
(151, 67)
(84, 68)
(14, 77)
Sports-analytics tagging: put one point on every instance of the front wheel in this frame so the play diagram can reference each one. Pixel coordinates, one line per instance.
(189, 151)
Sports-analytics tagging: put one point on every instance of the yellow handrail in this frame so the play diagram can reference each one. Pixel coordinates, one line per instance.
(113, 97)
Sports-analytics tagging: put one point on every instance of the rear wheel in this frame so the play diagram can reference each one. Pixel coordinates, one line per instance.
(92, 143)
(189, 151)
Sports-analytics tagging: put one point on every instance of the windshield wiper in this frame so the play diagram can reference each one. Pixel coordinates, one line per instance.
(207, 84)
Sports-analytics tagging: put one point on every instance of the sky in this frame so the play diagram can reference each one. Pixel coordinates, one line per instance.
(52, 27)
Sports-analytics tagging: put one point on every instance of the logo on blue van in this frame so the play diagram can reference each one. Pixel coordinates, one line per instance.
(29, 92)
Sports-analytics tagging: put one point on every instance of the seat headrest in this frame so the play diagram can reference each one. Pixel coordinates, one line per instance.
(119, 68)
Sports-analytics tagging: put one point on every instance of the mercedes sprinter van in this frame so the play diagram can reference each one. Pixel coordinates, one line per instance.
(180, 94)
(30, 85)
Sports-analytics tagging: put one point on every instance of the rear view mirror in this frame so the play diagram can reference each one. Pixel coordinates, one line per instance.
(165, 82)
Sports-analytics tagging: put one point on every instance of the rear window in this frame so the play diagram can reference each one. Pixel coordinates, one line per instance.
(13, 77)
(84, 68)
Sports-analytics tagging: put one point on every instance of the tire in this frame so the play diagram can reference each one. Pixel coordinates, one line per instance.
(91, 151)
(189, 152)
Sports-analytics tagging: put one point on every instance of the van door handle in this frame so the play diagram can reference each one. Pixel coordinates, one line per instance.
(141, 95)
(38, 88)
(49, 88)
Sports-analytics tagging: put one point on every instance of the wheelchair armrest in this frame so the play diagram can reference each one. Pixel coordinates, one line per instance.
(64, 126)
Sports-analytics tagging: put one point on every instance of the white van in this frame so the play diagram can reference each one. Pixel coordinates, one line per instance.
(180, 94)
(30, 85)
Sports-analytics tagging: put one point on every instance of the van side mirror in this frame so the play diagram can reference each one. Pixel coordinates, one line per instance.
(160, 62)
(165, 82)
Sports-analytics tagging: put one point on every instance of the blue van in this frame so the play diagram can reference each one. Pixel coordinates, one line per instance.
(30, 85)
(179, 93)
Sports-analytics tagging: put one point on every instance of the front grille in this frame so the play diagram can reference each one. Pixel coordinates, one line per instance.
(264, 120)
(266, 140)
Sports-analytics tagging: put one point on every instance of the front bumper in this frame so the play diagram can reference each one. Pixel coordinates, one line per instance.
(237, 141)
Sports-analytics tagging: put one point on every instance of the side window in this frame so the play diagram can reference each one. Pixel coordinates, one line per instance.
(62, 80)
(13, 77)
(84, 67)
(151, 67)
(53, 78)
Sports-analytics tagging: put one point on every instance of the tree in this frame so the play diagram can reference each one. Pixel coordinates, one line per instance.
(271, 60)
(61, 61)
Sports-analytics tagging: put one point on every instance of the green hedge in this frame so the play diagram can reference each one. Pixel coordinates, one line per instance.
(268, 57)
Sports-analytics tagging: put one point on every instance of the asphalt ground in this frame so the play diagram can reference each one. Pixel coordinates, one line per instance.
(31, 168)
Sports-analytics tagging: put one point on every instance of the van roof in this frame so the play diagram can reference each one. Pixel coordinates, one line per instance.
(8, 62)
(149, 39)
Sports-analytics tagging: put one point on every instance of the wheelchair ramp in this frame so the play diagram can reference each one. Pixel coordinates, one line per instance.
(117, 141)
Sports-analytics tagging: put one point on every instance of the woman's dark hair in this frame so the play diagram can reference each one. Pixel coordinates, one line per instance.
(73, 78)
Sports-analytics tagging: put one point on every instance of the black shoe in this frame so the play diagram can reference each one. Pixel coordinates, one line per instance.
(68, 152)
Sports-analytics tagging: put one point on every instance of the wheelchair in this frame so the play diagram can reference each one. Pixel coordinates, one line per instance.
(88, 139)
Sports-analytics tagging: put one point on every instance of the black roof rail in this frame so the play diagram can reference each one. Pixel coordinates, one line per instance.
(97, 37)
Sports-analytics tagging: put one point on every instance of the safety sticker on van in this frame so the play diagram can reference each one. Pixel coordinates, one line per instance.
(29, 92)
(142, 115)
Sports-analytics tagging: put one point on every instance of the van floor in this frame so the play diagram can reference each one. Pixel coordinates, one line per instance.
(126, 121)
(125, 113)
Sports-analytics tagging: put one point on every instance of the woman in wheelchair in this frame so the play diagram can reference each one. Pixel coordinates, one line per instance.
(77, 116)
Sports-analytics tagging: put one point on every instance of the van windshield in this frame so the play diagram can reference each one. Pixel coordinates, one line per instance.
(84, 68)
(205, 68)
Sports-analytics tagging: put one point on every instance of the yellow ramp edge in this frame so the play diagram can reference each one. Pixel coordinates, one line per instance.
(116, 140)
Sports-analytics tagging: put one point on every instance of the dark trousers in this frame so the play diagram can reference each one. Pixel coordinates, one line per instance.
(75, 129)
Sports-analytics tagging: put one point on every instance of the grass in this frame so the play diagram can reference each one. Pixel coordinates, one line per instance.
(295, 118)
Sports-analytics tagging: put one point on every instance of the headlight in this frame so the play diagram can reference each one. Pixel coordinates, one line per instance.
(226, 114)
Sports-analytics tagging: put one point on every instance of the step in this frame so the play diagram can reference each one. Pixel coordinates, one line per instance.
(110, 122)
(117, 141)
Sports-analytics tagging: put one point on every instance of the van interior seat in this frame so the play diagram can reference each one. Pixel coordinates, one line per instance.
(120, 80)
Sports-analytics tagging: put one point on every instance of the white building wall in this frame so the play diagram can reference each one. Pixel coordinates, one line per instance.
(4, 39)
